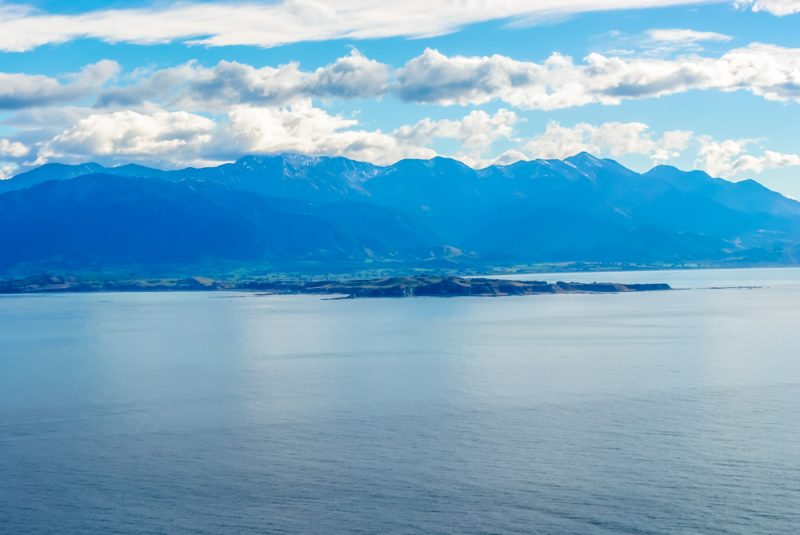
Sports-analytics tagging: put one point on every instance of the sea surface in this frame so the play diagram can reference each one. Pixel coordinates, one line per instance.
(674, 412)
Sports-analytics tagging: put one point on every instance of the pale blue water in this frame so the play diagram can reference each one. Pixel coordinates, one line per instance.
(648, 413)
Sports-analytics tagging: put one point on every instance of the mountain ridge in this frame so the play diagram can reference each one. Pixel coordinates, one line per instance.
(275, 210)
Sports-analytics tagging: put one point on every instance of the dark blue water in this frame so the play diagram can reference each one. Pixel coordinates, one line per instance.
(648, 413)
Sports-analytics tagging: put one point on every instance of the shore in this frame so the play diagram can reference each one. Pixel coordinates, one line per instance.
(433, 286)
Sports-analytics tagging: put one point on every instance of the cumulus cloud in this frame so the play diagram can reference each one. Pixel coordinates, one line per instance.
(177, 137)
(306, 129)
(509, 157)
(775, 7)
(729, 158)
(25, 90)
(769, 71)
(46, 119)
(351, 76)
(8, 170)
(12, 149)
(475, 133)
(288, 21)
(613, 138)
(174, 139)
(732, 158)
(191, 86)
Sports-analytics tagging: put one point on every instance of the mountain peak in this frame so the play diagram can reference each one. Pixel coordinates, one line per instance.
(664, 169)
(286, 208)
(49, 171)
(590, 165)
(449, 162)
(678, 178)
(585, 159)
(255, 161)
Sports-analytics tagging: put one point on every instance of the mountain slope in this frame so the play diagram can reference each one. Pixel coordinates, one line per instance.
(289, 208)
(114, 221)
(48, 172)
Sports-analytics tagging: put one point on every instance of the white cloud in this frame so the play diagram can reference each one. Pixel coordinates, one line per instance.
(476, 133)
(193, 87)
(8, 170)
(509, 157)
(289, 21)
(775, 7)
(769, 71)
(25, 90)
(305, 129)
(731, 158)
(46, 119)
(174, 137)
(614, 139)
(678, 35)
(435, 77)
(12, 149)
(354, 76)
(659, 42)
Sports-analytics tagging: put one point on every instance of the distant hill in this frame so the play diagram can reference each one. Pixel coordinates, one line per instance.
(104, 221)
(321, 213)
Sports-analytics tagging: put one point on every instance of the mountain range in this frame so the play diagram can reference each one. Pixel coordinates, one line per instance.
(298, 213)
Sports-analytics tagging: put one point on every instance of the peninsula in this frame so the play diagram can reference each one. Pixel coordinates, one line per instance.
(416, 286)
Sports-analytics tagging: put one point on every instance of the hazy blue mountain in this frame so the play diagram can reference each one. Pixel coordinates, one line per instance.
(746, 196)
(47, 172)
(318, 179)
(59, 171)
(109, 221)
(288, 208)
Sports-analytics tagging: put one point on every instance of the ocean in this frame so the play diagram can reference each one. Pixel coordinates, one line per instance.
(211, 412)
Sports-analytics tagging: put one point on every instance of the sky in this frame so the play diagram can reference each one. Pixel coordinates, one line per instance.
(711, 85)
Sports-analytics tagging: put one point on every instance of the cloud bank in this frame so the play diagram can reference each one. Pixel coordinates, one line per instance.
(684, 35)
(767, 71)
(194, 87)
(24, 28)
(179, 138)
(779, 8)
(729, 158)
(732, 157)
(25, 90)
(613, 138)
(194, 114)
(559, 82)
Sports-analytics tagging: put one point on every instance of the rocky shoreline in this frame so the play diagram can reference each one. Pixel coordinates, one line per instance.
(416, 286)
(430, 286)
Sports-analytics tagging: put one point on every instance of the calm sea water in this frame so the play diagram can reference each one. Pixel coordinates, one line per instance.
(670, 412)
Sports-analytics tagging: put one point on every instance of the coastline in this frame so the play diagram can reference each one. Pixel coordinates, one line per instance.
(396, 287)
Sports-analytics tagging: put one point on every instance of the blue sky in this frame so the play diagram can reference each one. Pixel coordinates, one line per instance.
(708, 85)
